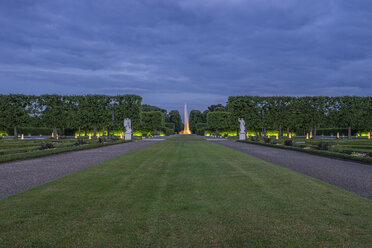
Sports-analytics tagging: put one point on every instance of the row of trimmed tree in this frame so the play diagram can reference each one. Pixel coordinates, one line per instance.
(82, 112)
(289, 114)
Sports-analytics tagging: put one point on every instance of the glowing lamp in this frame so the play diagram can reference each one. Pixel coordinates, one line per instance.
(57, 137)
(277, 136)
(22, 137)
(290, 135)
(97, 136)
(90, 137)
(369, 135)
(75, 136)
(311, 135)
(338, 135)
(52, 135)
(307, 135)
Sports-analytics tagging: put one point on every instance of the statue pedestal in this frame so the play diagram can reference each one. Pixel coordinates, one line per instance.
(128, 136)
(242, 136)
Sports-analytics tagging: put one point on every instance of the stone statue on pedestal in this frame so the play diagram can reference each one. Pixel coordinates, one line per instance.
(242, 133)
(128, 129)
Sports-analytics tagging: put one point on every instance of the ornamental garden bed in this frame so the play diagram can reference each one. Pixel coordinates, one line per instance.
(23, 149)
(356, 150)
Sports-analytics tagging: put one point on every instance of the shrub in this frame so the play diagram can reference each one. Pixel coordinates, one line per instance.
(80, 142)
(288, 142)
(323, 146)
(254, 138)
(169, 131)
(267, 140)
(200, 131)
(45, 146)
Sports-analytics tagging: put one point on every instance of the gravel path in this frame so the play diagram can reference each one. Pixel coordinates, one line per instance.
(352, 176)
(18, 176)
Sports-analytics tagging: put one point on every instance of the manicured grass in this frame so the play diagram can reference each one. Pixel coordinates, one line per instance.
(23, 149)
(185, 192)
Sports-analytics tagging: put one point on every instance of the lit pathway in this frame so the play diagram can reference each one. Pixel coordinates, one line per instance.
(352, 176)
(20, 175)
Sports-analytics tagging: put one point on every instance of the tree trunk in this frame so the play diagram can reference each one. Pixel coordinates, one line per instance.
(311, 131)
(349, 132)
(55, 133)
(103, 131)
(95, 130)
(108, 131)
(217, 132)
(280, 130)
(264, 131)
(287, 132)
(86, 132)
(15, 133)
(79, 131)
(314, 131)
(61, 131)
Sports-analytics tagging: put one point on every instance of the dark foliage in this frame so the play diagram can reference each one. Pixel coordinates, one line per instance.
(323, 146)
(288, 142)
(46, 146)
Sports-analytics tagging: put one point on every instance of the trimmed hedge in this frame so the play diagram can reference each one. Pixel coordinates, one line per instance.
(170, 125)
(36, 131)
(169, 131)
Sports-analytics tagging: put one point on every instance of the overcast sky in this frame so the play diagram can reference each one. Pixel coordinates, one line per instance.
(197, 52)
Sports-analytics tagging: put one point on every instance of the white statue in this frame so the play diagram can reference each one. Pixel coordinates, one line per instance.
(242, 134)
(128, 129)
(242, 125)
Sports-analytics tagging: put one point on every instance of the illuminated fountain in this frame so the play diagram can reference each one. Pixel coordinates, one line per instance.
(186, 129)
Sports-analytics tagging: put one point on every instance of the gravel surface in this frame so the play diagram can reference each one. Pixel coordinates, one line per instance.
(352, 176)
(20, 175)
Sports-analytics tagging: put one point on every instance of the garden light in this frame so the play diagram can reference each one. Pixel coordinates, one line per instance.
(307, 135)
(338, 135)
(22, 137)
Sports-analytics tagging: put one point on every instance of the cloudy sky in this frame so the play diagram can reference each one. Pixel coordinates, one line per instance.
(186, 51)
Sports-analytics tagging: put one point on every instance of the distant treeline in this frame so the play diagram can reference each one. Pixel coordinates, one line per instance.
(287, 114)
(83, 112)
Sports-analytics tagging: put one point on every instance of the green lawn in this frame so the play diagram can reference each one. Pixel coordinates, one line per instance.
(185, 192)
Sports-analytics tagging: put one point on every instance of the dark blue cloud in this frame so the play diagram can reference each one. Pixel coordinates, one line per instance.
(199, 52)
